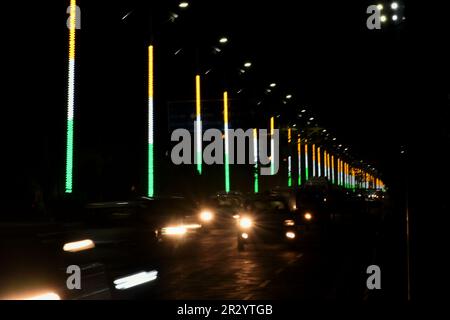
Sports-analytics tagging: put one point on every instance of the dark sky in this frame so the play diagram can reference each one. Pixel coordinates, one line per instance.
(353, 80)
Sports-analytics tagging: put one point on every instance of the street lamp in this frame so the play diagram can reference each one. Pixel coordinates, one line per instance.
(394, 5)
(223, 40)
(247, 64)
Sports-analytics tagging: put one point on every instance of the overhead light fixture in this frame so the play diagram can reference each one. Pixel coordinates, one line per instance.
(223, 40)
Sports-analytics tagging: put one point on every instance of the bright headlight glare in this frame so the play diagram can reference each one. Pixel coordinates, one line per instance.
(178, 230)
(289, 222)
(36, 296)
(290, 235)
(206, 216)
(79, 245)
(245, 223)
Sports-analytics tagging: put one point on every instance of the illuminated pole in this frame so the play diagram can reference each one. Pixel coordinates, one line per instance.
(227, 160)
(306, 162)
(272, 146)
(151, 187)
(299, 155)
(255, 159)
(318, 162)
(332, 169)
(329, 167)
(325, 164)
(70, 99)
(289, 159)
(314, 159)
(198, 125)
(339, 172)
(347, 180)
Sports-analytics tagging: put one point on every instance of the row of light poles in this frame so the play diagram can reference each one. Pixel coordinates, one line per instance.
(345, 174)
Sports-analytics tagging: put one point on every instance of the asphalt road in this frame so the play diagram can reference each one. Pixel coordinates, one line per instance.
(213, 268)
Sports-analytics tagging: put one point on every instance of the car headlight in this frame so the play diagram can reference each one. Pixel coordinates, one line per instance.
(174, 231)
(245, 223)
(308, 216)
(290, 235)
(79, 245)
(36, 296)
(289, 223)
(206, 216)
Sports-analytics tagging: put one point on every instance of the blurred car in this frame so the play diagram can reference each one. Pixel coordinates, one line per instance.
(226, 208)
(147, 221)
(267, 218)
(36, 255)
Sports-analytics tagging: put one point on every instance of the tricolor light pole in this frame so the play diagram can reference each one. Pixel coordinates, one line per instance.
(198, 129)
(227, 160)
(306, 161)
(329, 166)
(318, 162)
(314, 159)
(272, 146)
(332, 169)
(255, 160)
(289, 159)
(150, 184)
(70, 99)
(299, 155)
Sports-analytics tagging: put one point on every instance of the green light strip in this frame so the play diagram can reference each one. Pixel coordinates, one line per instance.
(151, 190)
(289, 172)
(227, 174)
(69, 156)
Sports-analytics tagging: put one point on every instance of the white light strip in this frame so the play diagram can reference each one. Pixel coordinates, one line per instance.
(71, 90)
(199, 136)
(135, 280)
(255, 149)
(150, 120)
